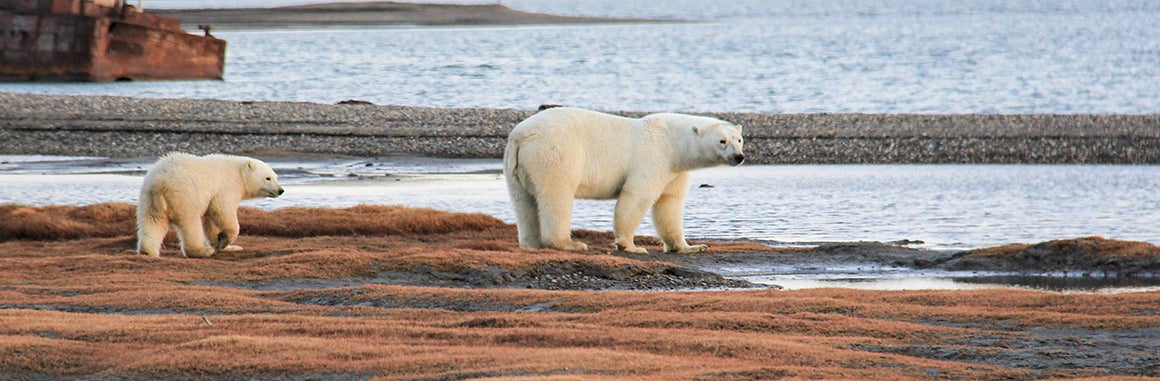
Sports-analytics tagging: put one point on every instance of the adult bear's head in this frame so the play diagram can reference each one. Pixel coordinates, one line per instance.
(261, 181)
(725, 140)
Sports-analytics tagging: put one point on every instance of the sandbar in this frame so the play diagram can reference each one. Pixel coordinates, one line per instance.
(377, 13)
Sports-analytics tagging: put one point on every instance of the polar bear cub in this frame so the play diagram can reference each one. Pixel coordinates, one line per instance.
(561, 154)
(199, 197)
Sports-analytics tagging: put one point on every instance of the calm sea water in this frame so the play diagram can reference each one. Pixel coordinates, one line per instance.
(881, 56)
(945, 206)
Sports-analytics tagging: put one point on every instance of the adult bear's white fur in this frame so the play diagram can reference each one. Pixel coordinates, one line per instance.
(199, 196)
(561, 154)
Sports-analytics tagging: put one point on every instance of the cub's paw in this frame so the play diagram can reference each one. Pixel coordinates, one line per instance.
(204, 252)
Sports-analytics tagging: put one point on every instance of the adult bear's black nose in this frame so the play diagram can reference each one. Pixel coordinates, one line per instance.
(738, 159)
(281, 191)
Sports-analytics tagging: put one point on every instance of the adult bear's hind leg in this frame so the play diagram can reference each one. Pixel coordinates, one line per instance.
(556, 221)
(527, 215)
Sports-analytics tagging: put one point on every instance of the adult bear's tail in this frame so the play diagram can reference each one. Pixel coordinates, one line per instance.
(511, 164)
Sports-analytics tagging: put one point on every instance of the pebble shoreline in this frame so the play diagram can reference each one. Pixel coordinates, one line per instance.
(143, 127)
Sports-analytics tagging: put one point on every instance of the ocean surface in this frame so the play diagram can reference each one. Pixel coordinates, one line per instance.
(788, 56)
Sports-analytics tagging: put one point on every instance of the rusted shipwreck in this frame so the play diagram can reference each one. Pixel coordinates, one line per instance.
(100, 41)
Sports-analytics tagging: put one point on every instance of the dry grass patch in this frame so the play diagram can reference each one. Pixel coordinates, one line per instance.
(360, 220)
(115, 219)
(407, 332)
(66, 222)
(447, 344)
(84, 305)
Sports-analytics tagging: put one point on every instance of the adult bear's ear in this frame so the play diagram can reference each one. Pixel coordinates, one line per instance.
(697, 130)
(250, 166)
(739, 129)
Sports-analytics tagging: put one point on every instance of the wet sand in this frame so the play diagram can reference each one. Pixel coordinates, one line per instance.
(371, 14)
(141, 127)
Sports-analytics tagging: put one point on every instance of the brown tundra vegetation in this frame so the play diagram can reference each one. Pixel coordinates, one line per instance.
(394, 293)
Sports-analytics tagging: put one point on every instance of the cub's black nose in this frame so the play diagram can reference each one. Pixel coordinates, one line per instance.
(281, 191)
(738, 159)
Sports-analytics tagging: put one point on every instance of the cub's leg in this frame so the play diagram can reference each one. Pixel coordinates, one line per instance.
(152, 223)
(222, 228)
(192, 235)
(150, 233)
(212, 232)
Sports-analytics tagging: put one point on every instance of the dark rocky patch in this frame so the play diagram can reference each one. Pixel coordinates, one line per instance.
(550, 276)
(1087, 255)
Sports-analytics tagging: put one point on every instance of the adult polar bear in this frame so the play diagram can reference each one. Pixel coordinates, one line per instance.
(199, 196)
(564, 153)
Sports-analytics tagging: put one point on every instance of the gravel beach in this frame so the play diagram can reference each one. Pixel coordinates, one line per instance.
(140, 127)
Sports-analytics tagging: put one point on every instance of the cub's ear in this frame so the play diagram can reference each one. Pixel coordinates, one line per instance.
(739, 128)
(696, 130)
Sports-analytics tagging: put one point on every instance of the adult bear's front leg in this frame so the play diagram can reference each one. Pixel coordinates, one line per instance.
(631, 206)
(667, 215)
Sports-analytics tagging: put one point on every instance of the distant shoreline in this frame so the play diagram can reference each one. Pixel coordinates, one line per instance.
(110, 126)
(372, 14)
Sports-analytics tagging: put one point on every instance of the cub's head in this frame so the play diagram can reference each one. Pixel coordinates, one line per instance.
(723, 142)
(261, 181)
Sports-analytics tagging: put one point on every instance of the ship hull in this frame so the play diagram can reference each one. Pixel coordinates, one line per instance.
(102, 44)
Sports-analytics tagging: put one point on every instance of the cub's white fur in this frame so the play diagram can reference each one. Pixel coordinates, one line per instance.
(199, 196)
